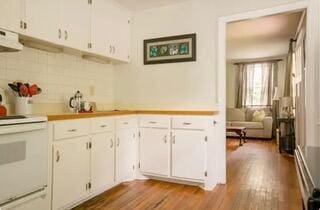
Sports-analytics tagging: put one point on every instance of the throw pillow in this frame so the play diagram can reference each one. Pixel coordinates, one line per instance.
(258, 116)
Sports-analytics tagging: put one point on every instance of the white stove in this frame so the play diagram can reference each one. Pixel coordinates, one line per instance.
(23, 157)
(22, 119)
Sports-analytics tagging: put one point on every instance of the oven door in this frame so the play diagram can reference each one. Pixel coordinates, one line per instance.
(23, 160)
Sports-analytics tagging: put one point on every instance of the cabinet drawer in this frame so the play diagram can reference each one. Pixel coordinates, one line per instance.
(193, 123)
(149, 121)
(71, 128)
(102, 124)
(126, 122)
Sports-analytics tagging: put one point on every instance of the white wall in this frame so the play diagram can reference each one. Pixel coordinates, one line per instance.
(190, 85)
(59, 76)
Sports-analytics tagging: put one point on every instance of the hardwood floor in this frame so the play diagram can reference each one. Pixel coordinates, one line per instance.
(258, 177)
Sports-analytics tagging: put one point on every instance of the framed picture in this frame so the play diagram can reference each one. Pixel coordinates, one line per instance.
(170, 49)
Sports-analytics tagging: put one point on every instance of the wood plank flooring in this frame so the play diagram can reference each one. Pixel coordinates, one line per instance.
(259, 178)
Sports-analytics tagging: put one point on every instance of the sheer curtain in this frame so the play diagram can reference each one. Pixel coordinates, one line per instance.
(256, 83)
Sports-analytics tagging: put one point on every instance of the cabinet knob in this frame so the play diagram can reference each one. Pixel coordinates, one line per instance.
(111, 143)
(114, 49)
(58, 156)
(173, 139)
(66, 34)
(59, 33)
(118, 143)
(165, 139)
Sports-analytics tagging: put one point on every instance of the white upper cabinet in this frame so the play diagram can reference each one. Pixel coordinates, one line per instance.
(110, 30)
(121, 34)
(10, 14)
(42, 20)
(101, 27)
(75, 23)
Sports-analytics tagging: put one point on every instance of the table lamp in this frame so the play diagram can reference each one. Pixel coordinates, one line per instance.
(287, 106)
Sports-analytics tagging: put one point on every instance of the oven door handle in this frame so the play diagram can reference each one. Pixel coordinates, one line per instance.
(8, 129)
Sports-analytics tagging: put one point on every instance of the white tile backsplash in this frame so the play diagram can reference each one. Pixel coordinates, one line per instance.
(59, 75)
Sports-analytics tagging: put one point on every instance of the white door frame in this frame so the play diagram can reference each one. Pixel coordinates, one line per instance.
(311, 51)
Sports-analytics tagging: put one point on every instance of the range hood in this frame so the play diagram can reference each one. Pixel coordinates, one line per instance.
(9, 42)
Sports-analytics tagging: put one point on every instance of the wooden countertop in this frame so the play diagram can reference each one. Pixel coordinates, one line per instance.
(69, 116)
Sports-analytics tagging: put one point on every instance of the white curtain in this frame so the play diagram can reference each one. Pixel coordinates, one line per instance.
(256, 83)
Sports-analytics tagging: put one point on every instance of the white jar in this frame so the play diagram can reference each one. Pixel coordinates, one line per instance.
(23, 106)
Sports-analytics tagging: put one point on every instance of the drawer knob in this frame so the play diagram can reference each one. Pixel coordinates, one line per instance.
(153, 122)
(186, 123)
(72, 130)
(125, 123)
(103, 126)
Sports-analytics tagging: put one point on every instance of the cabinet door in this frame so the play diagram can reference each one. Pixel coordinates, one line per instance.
(10, 14)
(121, 34)
(75, 22)
(102, 161)
(110, 29)
(125, 155)
(42, 18)
(70, 171)
(154, 151)
(188, 154)
(101, 23)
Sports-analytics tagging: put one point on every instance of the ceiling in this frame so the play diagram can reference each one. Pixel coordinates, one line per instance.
(146, 4)
(262, 37)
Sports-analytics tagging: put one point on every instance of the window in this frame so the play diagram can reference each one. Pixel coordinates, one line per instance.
(258, 83)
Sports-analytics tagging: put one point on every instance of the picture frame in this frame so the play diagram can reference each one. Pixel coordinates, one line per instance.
(171, 49)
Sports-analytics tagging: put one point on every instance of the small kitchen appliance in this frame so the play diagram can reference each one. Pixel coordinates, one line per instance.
(75, 102)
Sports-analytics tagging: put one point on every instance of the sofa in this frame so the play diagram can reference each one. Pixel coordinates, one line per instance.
(244, 118)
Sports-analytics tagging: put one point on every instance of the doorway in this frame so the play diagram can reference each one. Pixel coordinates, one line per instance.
(310, 63)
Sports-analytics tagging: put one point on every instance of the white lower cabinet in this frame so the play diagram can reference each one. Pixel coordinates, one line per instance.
(175, 150)
(125, 155)
(71, 174)
(93, 155)
(154, 148)
(188, 154)
(102, 161)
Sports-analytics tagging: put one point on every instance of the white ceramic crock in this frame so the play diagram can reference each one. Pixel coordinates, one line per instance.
(23, 106)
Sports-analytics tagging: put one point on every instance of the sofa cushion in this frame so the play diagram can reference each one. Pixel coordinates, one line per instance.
(248, 125)
(234, 114)
(249, 112)
(258, 116)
